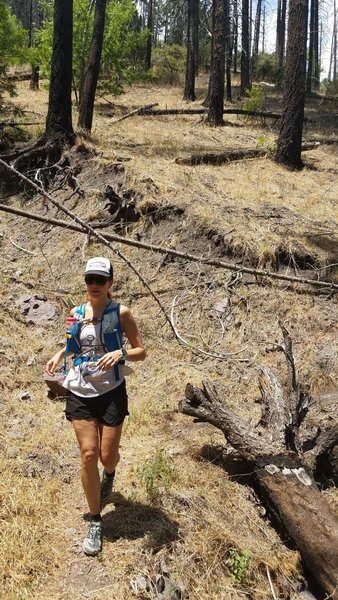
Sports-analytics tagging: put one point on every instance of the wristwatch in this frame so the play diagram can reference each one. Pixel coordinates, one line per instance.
(124, 352)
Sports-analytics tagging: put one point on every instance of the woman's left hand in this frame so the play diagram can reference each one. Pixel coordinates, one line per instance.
(110, 359)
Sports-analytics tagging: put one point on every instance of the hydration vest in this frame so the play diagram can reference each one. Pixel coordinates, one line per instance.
(110, 335)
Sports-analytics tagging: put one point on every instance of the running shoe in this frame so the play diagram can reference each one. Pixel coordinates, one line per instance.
(92, 544)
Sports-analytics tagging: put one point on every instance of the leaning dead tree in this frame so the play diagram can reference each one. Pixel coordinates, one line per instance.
(283, 461)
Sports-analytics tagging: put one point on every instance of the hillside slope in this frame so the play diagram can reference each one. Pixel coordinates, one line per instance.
(174, 501)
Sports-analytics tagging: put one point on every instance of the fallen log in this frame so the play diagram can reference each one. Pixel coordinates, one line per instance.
(201, 111)
(283, 468)
(23, 124)
(137, 111)
(219, 158)
(170, 251)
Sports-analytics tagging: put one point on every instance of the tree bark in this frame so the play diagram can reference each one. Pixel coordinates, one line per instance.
(150, 26)
(217, 71)
(34, 80)
(245, 54)
(59, 117)
(228, 49)
(280, 33)
(275, 453)
(290, 136)
(235, 42)
(190, 71)
(316, 83)
(87, 99)
(257, 29)
(310, 63)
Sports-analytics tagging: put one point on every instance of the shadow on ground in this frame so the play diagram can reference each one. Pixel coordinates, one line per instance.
(132, 520)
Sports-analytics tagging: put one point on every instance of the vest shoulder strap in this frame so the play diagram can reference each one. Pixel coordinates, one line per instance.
(80, 311)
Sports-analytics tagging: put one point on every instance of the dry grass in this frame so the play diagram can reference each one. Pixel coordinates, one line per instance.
(253, 211)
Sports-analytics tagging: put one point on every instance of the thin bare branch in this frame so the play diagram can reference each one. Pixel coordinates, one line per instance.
(21, 248)
(171, 252)
(85, 226)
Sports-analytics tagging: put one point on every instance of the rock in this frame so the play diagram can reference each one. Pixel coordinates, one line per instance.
(13, 452)
(141, 584)
(24, 396)
(70, 531)
(175, 451)
(36, 309)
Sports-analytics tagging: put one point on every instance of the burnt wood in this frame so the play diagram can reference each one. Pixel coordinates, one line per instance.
(281, 464)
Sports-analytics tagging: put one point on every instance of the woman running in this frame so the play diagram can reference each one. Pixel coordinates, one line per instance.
(98, 403)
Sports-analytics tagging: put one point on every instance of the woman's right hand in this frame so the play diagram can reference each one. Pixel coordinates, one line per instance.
(54, 362)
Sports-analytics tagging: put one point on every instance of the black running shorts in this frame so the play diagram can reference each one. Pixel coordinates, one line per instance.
(110, 408)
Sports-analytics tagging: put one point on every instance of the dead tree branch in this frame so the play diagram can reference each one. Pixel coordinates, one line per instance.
(201, 111)
(137, 111)
(170, 251)
(283, 472)
(86, 227)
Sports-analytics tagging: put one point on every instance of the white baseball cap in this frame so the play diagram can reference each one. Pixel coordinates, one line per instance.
(98, 266)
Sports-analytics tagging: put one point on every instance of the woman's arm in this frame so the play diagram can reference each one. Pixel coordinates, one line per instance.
(129, 326)
(55, 361)
(130, 329)
(57, 358)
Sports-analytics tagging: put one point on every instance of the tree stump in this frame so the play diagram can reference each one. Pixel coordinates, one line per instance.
(282, 462)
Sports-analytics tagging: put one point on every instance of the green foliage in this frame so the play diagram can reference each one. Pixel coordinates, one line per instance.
(255, 98)
(122, 59)
(238, 563)
(13, 41)
(123, 50)
(266, 68)
(13, 37)
(157, 473)
(168, 64)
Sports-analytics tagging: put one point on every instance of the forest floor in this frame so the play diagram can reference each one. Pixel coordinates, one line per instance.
(176, 508)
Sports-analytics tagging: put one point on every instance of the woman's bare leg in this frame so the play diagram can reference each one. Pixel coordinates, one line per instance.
(87, 433)
(109, 445)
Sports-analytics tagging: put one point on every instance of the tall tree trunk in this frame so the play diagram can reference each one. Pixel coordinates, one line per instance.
(257, 30)
(150, 26)
(190, 71)
(59, 116)
(290, 136)
(235, 43)
(217, 70)
(34, 80)
(93, 68)
(280, 32)
(228, 49)
(311, 48)
(245, 55)
(83, 56)
(263, 29)
(316, 83)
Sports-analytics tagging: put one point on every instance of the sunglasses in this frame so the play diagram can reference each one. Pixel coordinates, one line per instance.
(95, 279)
